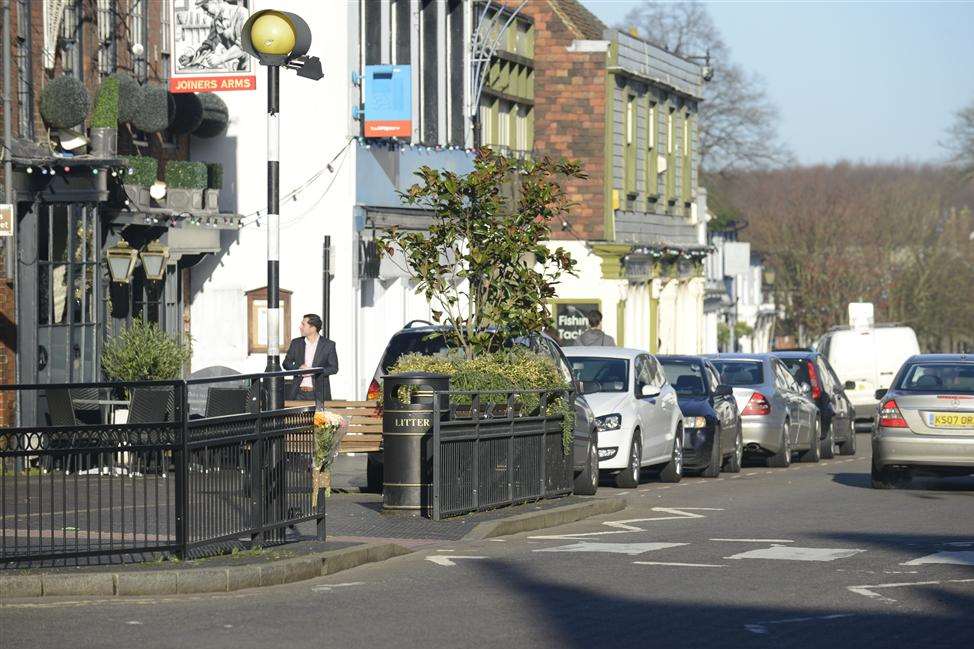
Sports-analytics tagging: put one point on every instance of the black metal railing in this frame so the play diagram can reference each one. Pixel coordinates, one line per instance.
(133, 471)
(492, 449)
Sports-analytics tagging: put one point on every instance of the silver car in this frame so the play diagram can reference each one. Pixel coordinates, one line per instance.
(925, 420)
(778, 416)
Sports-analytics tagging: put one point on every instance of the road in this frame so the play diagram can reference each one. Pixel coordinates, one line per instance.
(808, 556)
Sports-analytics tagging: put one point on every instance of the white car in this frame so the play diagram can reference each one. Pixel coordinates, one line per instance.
(636, 412)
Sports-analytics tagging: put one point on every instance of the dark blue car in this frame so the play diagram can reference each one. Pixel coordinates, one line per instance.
(712, 439)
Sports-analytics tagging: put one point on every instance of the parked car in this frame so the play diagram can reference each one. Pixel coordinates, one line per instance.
(425, 338)
(925, 421)
(777, 416)
(712, 434)
(865, 360)
(636, 412)
(836, 411)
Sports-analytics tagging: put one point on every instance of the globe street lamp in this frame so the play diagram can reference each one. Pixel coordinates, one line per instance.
(277, 39)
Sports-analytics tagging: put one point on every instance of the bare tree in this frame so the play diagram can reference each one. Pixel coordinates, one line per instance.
(961, 138)
(738, 123)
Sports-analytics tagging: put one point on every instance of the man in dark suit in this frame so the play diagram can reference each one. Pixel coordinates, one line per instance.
(311, 350)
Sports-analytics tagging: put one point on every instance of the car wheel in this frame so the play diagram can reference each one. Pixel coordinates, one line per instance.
(849, 447)
(713, 469)
(829, 447)
(814, 453)
(782, 459)
(628, 478)
(673, 470)
(733, 464)
(587, 482)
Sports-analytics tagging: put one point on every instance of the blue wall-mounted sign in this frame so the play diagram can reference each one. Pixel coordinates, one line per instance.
(388, 101)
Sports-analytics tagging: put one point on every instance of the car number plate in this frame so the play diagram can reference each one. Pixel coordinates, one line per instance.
(951, 420)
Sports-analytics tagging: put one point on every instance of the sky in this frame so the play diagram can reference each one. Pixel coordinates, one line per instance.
(857, 81)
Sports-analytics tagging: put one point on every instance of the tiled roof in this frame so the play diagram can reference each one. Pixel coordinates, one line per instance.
(579, 20)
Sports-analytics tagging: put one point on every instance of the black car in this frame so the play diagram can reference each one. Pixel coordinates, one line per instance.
(712, 436)
(425, 338)
(835, 409)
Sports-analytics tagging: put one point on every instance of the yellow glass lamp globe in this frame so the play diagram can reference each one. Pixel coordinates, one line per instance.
(272, 34)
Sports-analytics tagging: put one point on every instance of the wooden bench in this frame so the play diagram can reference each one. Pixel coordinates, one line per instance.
(365, 424)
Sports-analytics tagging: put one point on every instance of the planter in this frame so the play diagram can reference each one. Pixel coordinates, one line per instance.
(211, 200)
(184, 199)
(138, 195)
(104, 142)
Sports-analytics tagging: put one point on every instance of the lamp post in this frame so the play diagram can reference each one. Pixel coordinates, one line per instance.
(276, 39)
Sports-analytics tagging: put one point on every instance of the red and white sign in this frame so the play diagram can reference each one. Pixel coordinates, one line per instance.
(207, 55)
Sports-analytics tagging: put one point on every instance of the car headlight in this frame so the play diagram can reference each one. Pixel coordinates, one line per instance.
(608, 422)
(694, 422)
(608, 453)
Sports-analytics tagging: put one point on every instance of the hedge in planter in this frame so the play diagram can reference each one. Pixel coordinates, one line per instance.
(158, 109)
(64, 102)
(105, 114)
(183, 174)
(189, 113)
(215, 117)
(131, 97)
(214, 172)
(509, 370)
(144, 352)
(145, 171)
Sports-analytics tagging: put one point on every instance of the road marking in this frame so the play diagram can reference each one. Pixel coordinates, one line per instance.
(761, 628)
(793, 553)
(611, 548)
(685, 565)
(752, 473)
(755, 540)
(952, 557)
(443, 560)
(497, 540)
(626, 526)
(134, 623)
(868, 590)
(327, 587)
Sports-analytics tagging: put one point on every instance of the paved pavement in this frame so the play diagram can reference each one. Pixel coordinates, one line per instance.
(808, 556)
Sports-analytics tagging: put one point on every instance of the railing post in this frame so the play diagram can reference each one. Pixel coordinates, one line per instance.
(510, 448)
(542, 409)
(256, 473)
(436, 455)
(475, 418)
(182, 472)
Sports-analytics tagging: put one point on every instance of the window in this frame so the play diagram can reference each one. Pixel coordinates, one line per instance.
(429, 70)
(138, 18)
(107, 49)
(455, 79)
(630, 170)
(740, 373)
(372, 23)
(953, 377)
(402, 32)
(509, 85)
(503, 123)
(25, 84)
(687, 378)
(71, 41)
(670, 157)
(612, 374)
(652, 166)
(686, 165)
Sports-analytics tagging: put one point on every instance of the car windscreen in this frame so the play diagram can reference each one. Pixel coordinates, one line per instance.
(938, 377)
(740, 372)
(798, 368)
(426, 343)
(686, 377)
(611, 374)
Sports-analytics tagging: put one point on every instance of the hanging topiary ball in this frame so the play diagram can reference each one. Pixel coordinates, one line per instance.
(64, 102)
(215, 116)
(130, 96)
(157, 110)
(189, 113)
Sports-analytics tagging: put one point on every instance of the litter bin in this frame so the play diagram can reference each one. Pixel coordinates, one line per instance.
(407, 438)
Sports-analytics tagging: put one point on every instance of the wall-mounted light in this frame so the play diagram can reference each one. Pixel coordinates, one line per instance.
(121, 262)
(154, 259)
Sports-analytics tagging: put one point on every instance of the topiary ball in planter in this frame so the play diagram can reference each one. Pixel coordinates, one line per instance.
(189, 113)
(215, 117)
(64, 102)
(131, 96)
(157, 110)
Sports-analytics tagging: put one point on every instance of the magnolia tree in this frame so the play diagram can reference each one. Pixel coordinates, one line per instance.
(483, 265)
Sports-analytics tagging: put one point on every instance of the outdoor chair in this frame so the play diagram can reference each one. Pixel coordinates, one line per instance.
(60, 412)
(151, 405)
(221, 402)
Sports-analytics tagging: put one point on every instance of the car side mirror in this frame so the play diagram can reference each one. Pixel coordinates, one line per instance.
(648, 391)
(849, 385)
(805, 389)
(723, 391)
(589, 387)
(879, 394)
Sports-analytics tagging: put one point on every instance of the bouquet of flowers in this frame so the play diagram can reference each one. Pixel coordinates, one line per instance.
(329, 429)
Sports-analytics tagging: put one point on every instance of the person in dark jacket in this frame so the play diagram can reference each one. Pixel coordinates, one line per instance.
(594, 336)
(311, 350)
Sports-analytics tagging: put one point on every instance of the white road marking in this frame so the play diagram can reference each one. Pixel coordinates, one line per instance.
(793, 553)
(868, 590)
(685, 565)
(497, 540)
(611, 548)
(951, 557)
(327, 587)
(761, 628)
(442, 560)
(626, 526)
(134, 623)
(755, 540)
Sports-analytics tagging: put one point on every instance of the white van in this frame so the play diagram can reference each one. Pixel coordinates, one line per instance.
(868, 357)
